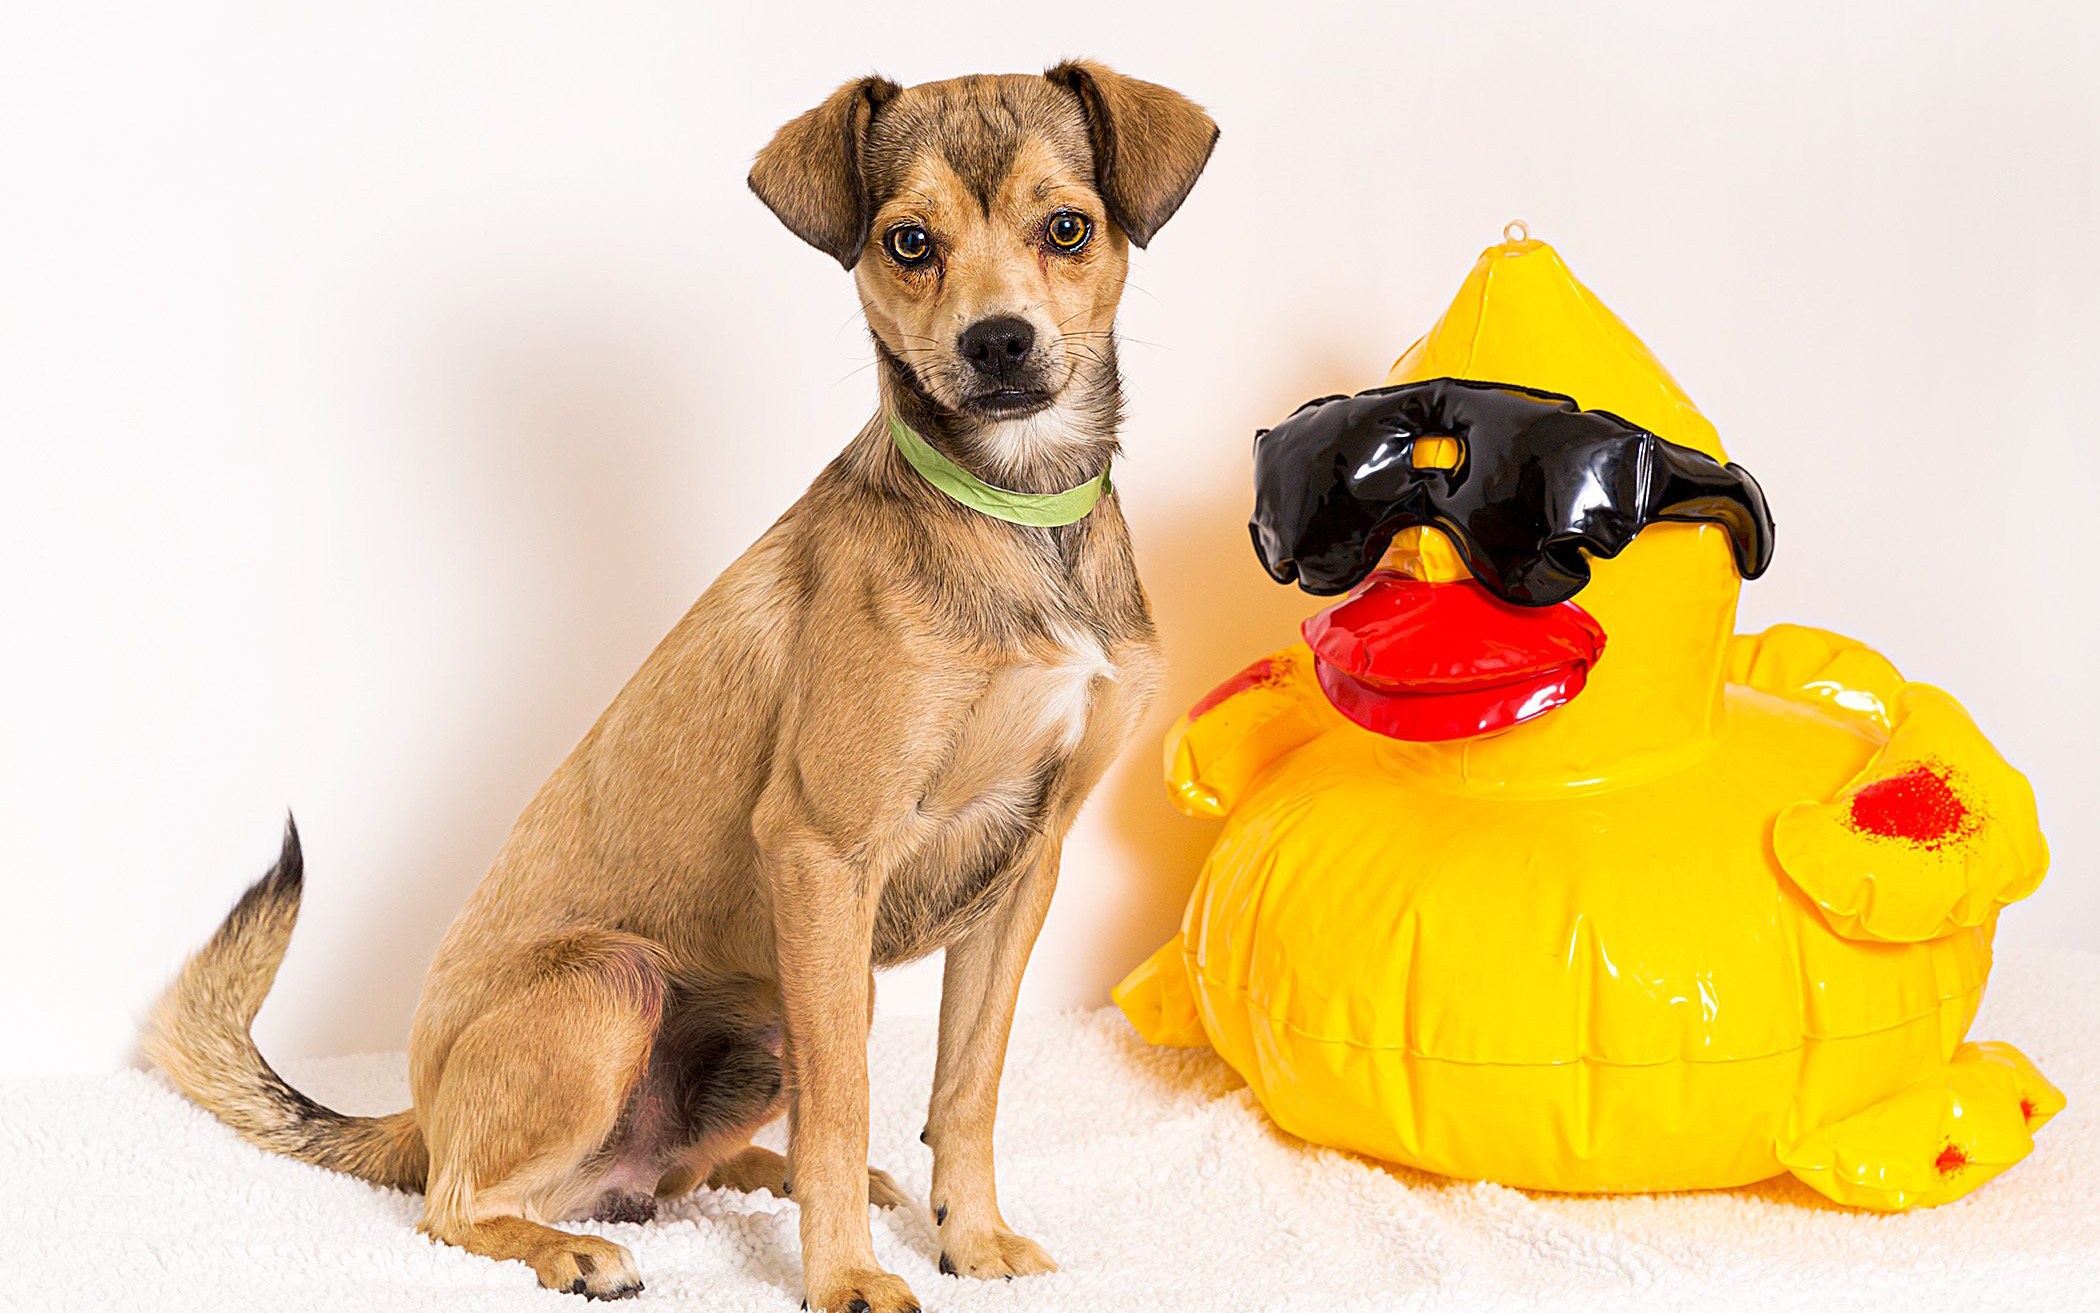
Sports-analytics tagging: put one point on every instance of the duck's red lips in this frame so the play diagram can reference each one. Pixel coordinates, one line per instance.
(1434, 661)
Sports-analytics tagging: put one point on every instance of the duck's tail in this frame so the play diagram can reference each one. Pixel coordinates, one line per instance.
(198, 1035)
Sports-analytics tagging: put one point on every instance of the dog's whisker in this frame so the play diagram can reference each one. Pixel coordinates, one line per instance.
(851, 373)
(1143, 291)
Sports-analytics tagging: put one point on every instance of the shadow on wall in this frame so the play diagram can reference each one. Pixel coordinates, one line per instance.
(1217, 611)
(570, 434)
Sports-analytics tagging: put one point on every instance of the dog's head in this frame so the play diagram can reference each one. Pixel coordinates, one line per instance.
(987, 220)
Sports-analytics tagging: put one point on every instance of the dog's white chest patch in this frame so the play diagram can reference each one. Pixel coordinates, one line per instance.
(1018, 440)
(1029, 708)
(1067, 690)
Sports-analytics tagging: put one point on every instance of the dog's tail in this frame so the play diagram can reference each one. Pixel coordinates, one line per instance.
(198, 1034)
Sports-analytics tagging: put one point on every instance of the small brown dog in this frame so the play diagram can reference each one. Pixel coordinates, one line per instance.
(865, 742)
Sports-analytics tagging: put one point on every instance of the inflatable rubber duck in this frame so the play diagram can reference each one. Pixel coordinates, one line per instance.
(1532, 870)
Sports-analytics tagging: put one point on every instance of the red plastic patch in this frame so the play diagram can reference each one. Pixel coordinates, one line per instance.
(1951, 1160)
(2027, 1110)
(1919, 806)
(1264, 673)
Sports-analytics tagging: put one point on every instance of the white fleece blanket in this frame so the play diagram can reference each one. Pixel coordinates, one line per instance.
(1151, 1175)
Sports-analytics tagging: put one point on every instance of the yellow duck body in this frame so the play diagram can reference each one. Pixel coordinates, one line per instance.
(1725, 914)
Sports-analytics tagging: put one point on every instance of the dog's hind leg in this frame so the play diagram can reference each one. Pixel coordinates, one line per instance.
(716, 1068)
(755, 1168)
(530, 1098)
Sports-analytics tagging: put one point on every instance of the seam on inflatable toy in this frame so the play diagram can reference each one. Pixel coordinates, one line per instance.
(1255, 1006)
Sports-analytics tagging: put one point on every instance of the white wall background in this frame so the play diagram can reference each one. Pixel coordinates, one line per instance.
(378, 382)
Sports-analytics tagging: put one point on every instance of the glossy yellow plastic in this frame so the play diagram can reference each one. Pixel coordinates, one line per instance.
(1652, 940)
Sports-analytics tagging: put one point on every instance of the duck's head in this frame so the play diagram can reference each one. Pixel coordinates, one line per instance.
(1540, 537)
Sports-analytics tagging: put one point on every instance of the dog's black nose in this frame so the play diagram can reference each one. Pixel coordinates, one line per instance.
(998, 347)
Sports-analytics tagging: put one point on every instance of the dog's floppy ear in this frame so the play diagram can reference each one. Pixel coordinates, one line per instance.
(810, 173)
(1149, 143)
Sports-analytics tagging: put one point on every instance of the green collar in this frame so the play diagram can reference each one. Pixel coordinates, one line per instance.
(1047, 510)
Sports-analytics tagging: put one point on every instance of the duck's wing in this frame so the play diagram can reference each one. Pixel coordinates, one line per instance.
(1934, 835)
(1232, 734)
(1800, 661)
(1238, 728)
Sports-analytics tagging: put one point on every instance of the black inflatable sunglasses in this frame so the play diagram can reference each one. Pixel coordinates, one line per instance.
(1540, 485)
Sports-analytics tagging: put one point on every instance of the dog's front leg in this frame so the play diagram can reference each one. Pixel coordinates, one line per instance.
(823, 925)
(979, 985)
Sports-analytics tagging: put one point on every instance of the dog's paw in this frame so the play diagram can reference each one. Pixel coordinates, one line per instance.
(762, 1169)
(992, 1253)
(861, 1290)
(883, 1190)
(588, 1266)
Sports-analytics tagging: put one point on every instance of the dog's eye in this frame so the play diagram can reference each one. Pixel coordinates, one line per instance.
(1068, 231)
(909, 243)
